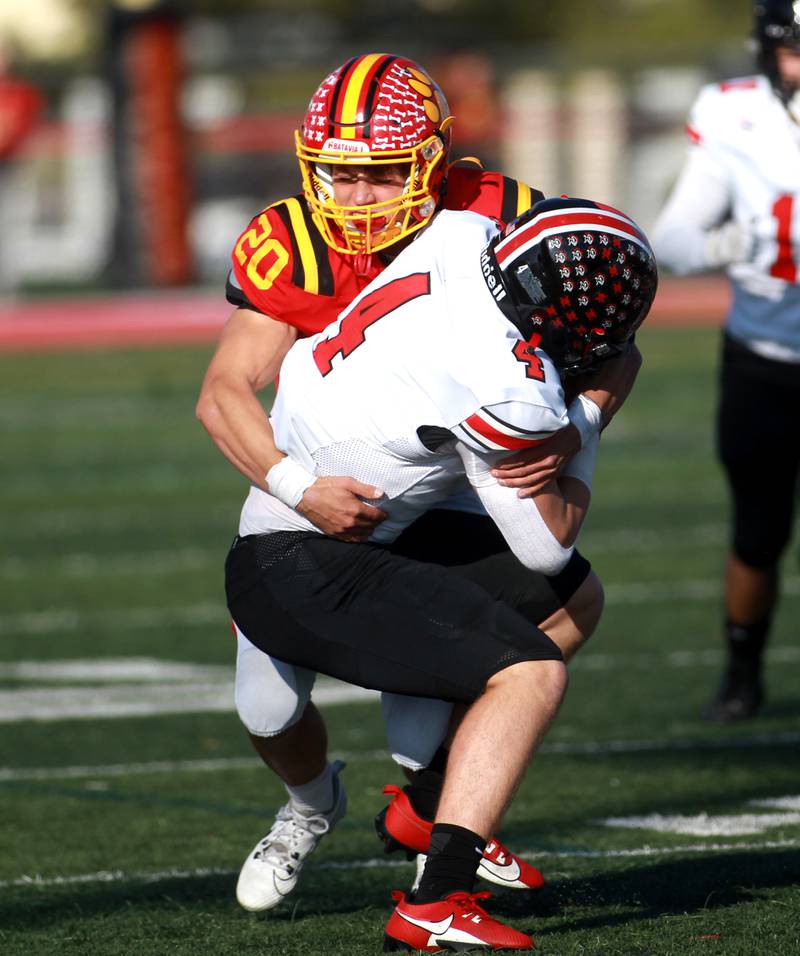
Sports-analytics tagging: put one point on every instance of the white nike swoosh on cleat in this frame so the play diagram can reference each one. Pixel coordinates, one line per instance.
(435, 929)
(508, 873)
(277, 880)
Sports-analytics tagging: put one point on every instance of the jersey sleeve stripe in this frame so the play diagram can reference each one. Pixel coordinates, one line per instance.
(300, 233)
(298, 269)
(320, 247)
(496, 422)
(489, 436)
(311, 268)
(471, 439)
(508, 208)
(523, 198)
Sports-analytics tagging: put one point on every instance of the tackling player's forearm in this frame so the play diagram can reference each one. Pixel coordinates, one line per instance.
(240, 428)
(248, 358)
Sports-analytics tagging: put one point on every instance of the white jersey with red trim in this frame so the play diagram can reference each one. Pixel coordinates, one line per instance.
(743, 166)
(421, 359)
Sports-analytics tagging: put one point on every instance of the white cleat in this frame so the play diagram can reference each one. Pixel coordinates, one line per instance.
(272, 869)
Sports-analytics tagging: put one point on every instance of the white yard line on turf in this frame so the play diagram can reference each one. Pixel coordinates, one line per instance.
(113, 669)
(89, 565)
(86, 688)
(158, 876)
(142, 700)
(114, 619)
(705, 824)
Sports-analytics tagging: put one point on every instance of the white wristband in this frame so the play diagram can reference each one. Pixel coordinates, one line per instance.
(288, 481)
(582, 465)
(586, 416)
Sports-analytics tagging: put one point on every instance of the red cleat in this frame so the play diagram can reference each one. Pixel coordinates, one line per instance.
(402, 828)
(457, 922)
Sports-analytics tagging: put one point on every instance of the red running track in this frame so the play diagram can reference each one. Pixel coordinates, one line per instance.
(192, 316)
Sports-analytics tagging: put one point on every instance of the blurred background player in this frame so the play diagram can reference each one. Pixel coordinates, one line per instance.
(373, 152)
(735, 206)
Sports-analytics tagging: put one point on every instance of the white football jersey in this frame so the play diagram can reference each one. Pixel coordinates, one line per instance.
(744, 165)
(422, 357)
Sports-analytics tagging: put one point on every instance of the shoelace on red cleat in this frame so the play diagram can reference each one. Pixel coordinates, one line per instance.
(469, 901)
(461, 899)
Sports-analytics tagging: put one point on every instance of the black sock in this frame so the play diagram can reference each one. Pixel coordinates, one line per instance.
(426, 787)
(453, 859)
(746, 644)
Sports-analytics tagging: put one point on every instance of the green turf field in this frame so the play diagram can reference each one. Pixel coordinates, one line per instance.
(127, 814)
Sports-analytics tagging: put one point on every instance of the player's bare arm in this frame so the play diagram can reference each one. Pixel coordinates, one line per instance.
(563, 504)
(247, 359)
(249, 355)
(608, 387)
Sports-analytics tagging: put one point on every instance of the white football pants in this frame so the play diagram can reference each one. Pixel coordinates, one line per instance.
(272, 695)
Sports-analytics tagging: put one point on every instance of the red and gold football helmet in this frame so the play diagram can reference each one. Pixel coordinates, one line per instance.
(383, 109)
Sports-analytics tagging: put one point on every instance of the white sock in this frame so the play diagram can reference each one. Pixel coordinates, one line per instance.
(316, 796)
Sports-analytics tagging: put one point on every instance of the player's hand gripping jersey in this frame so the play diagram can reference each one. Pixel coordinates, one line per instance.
(418, 382)
(283, 267)
(744, 170)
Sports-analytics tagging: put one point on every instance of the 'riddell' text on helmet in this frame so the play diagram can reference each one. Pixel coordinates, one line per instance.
(375, 110)
(579, 275)
(775, 23)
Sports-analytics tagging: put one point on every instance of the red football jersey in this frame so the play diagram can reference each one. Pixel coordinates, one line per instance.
(283, 268)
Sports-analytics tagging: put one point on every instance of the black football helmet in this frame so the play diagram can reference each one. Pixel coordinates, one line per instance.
(776, 23)
(578, 274)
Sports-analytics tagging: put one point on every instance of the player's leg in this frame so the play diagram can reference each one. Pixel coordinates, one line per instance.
(365, 616)
(417, 727)
(489, 754)
(759, 405)
(288, 733)
(568, 606)
(273, 701)
(573, 624)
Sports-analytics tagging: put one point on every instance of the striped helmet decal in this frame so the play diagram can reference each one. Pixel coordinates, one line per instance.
(353, 99)
(597, 218)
